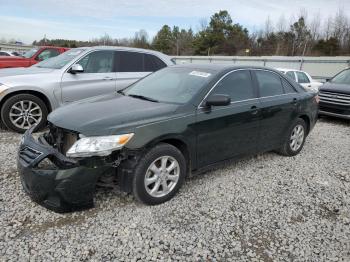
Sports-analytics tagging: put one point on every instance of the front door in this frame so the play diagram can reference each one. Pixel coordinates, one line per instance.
(99, 77)
(227, 131)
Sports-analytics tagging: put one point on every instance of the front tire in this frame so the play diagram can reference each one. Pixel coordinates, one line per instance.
(295, 139)
(159, 175)
(21, 112)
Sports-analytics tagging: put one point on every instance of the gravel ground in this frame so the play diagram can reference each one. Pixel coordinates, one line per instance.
(263, 208)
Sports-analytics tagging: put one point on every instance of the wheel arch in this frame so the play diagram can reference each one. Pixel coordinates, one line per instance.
(38, 94)
(181, 144)
(307, 120)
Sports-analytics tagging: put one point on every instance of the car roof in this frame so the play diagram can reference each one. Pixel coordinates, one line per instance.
(288, 69)
(124, 48)
(131, 49)
(221, 67)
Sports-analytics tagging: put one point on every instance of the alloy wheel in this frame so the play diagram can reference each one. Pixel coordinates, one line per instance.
(162, 176)
(25, 113)
(297, 137)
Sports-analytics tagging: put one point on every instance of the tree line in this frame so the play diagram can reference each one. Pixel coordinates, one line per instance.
(301, 36)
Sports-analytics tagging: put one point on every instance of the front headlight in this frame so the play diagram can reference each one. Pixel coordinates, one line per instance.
(98, 145)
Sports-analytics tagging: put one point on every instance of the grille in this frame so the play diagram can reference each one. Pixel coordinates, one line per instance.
(28, 155)
(334, 98)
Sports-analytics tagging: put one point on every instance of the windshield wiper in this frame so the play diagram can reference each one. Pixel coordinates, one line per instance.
(121, 92)
(144, 98)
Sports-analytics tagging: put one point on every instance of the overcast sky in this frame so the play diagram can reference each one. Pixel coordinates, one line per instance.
(29, 20)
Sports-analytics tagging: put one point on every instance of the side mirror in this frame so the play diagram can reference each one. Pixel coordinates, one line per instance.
(76, 68)
(218, 100)
(328, 79)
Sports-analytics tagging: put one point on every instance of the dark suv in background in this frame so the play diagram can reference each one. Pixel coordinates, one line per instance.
(335, 96)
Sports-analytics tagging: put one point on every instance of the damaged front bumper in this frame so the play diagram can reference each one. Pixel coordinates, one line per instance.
(51, 179)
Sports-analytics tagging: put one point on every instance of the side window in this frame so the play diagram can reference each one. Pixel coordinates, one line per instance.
(129, 61)
(47, 53)
(4, 54)
(238, 85)
(153, 63)
(98, 62)
(288, 88)
(302, 78)
(269, 83)
(291, 75)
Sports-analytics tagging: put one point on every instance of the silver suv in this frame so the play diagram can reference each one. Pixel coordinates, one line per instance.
(27, 95)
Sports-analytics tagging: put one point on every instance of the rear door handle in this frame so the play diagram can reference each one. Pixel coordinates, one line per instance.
(254, 110)
(107, 78)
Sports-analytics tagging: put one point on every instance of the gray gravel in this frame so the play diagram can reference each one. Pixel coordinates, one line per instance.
(263, 208)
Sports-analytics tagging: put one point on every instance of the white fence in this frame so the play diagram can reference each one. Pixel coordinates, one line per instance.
(318, 67)
(13, 47)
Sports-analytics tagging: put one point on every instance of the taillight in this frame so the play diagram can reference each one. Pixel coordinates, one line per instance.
(317, 98)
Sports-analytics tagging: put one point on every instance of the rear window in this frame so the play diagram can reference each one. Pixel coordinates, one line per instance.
(152, 63)
(288, 88)
(269, 83)
(137, 62)
(291, 75)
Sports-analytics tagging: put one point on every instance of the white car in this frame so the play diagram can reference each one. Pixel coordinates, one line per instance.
(302, 78)
(6, 53)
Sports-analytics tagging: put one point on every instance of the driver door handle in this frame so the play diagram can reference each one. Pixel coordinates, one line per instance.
(107, 78)
(254, 110)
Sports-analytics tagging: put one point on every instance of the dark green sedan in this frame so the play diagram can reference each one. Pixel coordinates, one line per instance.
(151, 135)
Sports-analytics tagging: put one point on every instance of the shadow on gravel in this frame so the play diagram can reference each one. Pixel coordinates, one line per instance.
(334, 120)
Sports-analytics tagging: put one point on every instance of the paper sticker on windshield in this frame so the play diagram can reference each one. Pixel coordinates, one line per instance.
(201, 74)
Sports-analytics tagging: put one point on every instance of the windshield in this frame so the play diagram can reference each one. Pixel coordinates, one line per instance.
(61, 60)
(342, 78)
(170, 85)
(30, 53)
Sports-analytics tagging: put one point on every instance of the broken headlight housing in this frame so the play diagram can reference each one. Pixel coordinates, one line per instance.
(98, 145)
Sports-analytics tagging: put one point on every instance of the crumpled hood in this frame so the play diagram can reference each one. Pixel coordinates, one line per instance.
(336, 88)
(109, 114)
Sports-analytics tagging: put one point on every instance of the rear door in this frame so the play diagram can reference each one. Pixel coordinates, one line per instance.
(132, 66)
(227, 131)
(98, 77)
(279, 107)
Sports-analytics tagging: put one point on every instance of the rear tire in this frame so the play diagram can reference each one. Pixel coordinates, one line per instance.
(153, 184)
(21, 112)
(295, 139)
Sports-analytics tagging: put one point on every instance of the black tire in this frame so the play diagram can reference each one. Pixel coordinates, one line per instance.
(6, 108)
(286, 149)
(138, 185)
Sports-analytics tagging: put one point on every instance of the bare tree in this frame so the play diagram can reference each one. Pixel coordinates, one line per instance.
(268, 27)
(281, 25)
(140, 39)
(203, 24)
(328, 25)
(315, 26)
(340, 25)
